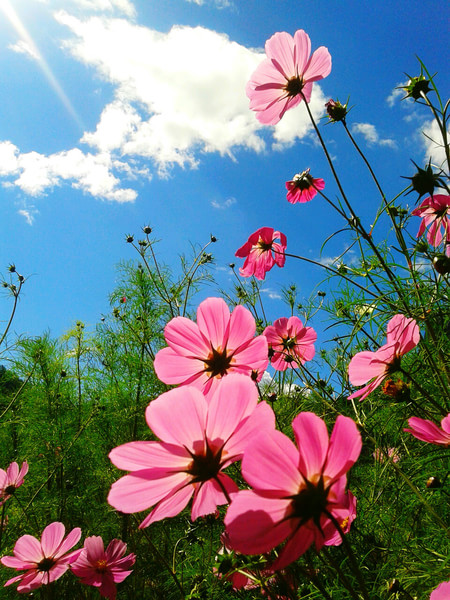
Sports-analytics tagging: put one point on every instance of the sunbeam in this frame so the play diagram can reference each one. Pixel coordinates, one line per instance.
(13, 18)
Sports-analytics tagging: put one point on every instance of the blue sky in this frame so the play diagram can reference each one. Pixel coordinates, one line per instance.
(120, 113)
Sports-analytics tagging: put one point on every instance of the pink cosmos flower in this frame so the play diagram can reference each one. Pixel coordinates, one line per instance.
(11, 479)
(442, 592)
(199, 440)
(286, 76)
(295, 490)
(43, 561)
(303, 187)
(103, 569)
(382, 455)
(435, 213)
(258, 252)
(291, 343)
(202, 354)
(402, 336)
(427, 431)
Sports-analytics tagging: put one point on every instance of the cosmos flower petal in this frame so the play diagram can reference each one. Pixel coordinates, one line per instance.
(173, 368)
(311, 435)
(210, 495)
(170, 506)
(184, 337)
(297, 545)
(271, 462)
(255, 523)
(191, 408)
(213, 318)
(344, 449)
(141, 489)
(136, 456)
(427, 431)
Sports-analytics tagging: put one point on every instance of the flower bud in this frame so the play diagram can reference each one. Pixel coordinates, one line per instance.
(147, 230)
(129, 239)
(12, 268)
(424, 181)
(416, 86)
(441, 264)
(213, 238)
(336, 111)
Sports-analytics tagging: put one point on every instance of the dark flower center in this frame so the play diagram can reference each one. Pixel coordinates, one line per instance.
(10, 490)
(205, 466)
(46, 564)
(265, 246)
(101, 566)
(289, 343)
(294, 86)
(218, 362)
(310, 502)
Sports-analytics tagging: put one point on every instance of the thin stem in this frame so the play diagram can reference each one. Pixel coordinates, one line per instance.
(163, 561)
(16, 298)
(350, 554)
(2, 520)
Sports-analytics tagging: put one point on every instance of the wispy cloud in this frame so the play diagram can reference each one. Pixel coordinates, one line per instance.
(271, 293)
(432, 141)
(396, 94)
(23, 47)
(223, 205)
(217, 3)
(28, 214)
(371, 135)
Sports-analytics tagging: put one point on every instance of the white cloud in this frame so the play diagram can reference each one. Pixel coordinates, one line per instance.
(371, 135)
(217, 3)
(125, 7)
(271, 293)
(28, 214)
(24, 47)
(35, 173)
(177, 94)
(223, 205)
(432, 141)
(396, 94)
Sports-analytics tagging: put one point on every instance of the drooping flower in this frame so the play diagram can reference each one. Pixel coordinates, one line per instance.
(103, 569)
(303, 187)
(402, 336)
(435, 214)
(427, 431)
(199, 440)
(286, 76)
(43, 561)
(442, 592)
(262, 252)
(291, 343)
(11, 479)
(295, 491)
(202, 353)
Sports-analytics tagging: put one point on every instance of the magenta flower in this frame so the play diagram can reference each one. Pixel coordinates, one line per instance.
(199, 440)
(103, 569)
(402, 336)
(442, 592)
(286, 76)
(292, 344)
(435, 212)
(427, 431)
(303, 187)
(11, 479)
(295, 491)
(202, 354)
(43, 561)
(262, 252)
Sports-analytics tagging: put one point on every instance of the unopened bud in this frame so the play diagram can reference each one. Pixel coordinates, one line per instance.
(433, 483)
(441, 264)
(213, 238)
(147, 230)
(336, 111)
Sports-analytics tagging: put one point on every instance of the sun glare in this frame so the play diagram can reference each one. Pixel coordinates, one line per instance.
(28, 45)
